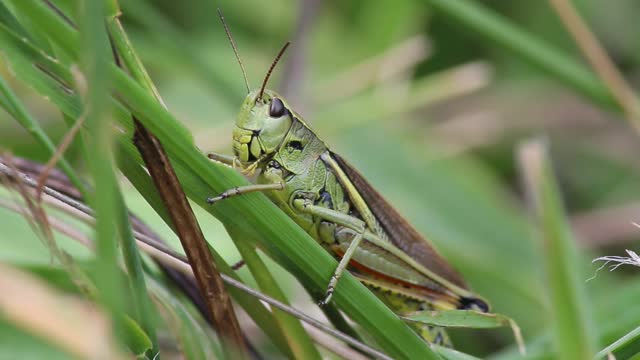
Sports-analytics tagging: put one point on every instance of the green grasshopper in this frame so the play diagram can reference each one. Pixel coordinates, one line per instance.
(336, 205)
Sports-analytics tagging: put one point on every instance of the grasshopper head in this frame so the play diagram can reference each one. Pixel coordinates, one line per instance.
(262, 124)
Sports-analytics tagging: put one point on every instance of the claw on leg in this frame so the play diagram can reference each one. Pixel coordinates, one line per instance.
(231, 192)
(223, 159)
(329, 293)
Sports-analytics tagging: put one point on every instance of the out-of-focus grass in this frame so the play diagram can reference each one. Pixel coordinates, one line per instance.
(570, 308)
(468, 203)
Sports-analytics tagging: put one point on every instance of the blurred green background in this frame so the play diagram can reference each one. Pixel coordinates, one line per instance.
(429, 110)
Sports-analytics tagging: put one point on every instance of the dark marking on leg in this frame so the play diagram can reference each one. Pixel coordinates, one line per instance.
(237, 265)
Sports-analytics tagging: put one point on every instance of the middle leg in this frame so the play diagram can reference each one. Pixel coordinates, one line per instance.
(339, 218)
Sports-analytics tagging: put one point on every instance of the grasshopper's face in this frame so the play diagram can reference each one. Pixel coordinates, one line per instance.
(260, 127)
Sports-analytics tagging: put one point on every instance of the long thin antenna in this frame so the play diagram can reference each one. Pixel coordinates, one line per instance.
(235, 50)
(273, 65)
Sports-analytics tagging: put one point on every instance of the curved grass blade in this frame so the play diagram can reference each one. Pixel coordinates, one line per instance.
(469, 319)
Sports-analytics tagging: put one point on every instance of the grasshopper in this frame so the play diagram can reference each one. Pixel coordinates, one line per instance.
(338, 207)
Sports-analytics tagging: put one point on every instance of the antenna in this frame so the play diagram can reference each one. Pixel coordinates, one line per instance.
(235, 50)
(273, 65)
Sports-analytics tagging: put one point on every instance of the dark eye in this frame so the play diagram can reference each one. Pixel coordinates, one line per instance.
(277, 108)
(294, 145)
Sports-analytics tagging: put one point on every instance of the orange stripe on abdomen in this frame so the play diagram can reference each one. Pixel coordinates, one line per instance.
(376, 275)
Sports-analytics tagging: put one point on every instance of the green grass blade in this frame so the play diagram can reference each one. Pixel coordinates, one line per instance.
(98, 155)
(193, 336)
(6, 17)
(572, 322)
(133, 263)
(451, 354)
(171, 36)
(47, 22)
(614, 323)
(22, 116)
(299, 341)
(469, 319)
(107, 199)
(624, 348)
(461, 318)
(127, 52)
(527, 46)
(138, 341)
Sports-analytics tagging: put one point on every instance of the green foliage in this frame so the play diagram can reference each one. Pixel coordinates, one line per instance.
(436, 137)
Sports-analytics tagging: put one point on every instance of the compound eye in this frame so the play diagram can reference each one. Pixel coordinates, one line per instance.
(277, 108)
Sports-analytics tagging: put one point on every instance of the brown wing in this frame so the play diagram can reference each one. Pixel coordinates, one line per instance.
(400, 232)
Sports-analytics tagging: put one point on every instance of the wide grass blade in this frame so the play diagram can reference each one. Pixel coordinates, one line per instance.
(98, 150)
